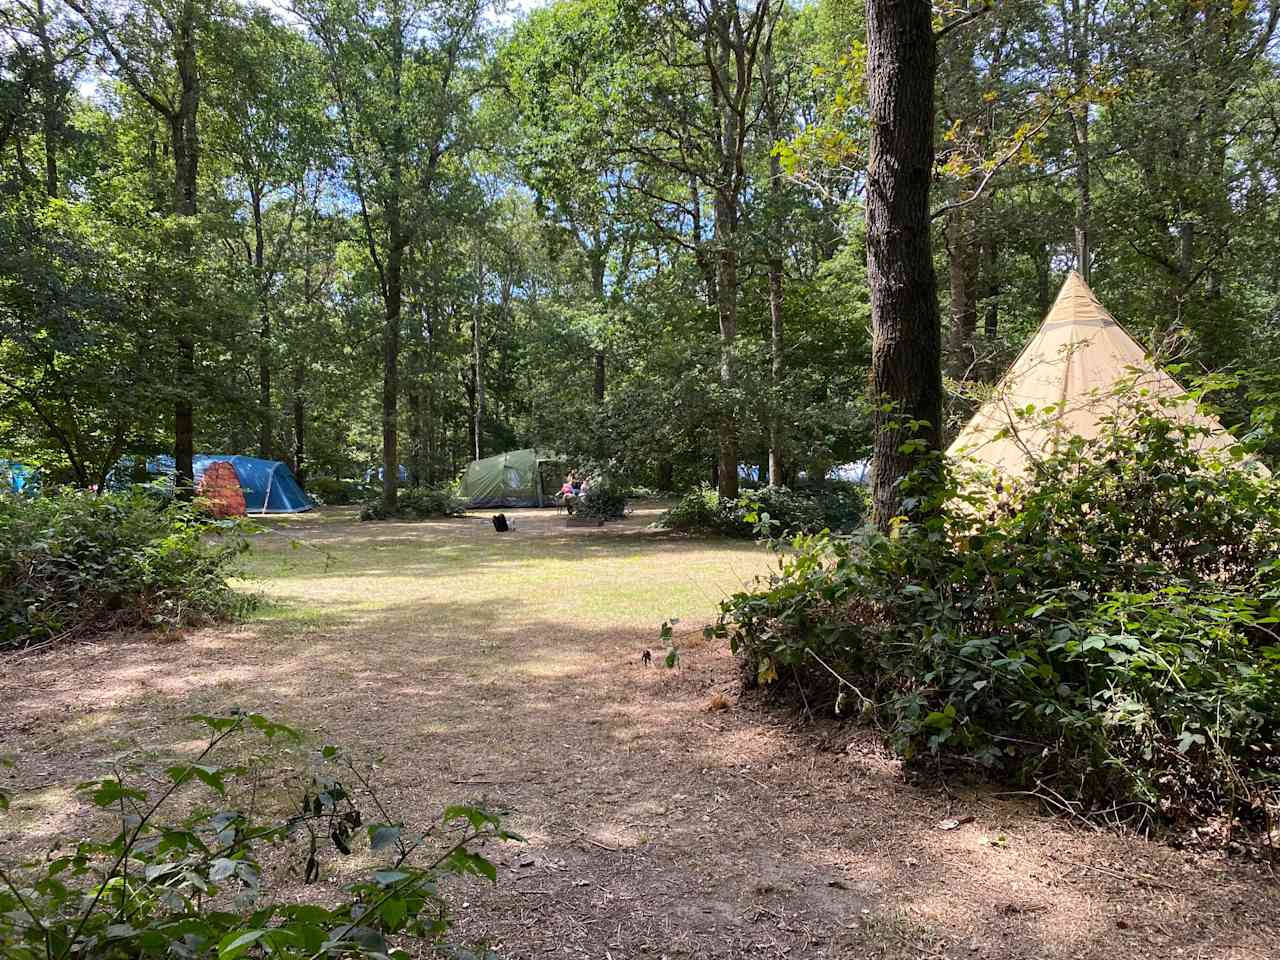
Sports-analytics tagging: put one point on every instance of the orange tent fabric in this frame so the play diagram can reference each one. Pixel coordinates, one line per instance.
(219, 488)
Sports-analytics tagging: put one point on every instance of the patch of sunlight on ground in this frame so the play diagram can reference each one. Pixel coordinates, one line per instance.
(438, 577)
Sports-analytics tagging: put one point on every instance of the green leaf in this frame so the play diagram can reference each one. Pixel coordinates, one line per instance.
(210, 776)
(479, 819)
(394, 913)
(271, 729)
(464, 862)
(110, 792)
(237, 944)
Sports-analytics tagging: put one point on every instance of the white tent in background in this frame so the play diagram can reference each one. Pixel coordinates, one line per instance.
(1068, 373)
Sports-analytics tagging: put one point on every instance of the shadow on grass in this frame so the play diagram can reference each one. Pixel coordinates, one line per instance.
(654, 825)
(508, 670)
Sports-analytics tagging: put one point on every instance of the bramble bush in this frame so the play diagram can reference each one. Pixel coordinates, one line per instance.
(418, 503)
(1106, 635)
(73, 563)
(768, 511)
(183, 872)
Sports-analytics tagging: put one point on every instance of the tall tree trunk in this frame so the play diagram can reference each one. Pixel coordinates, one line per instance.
(597, 293)
(299, 425)
(773, 117)
(476, 372)
(597, 380)
(990, 256)
(1042, 280)
(726, 240)
(429, 433)
(906, 355)
(186, 159)
(666, 474)
(775, 369)
(1080, 22)
(416, 476)
(962, 250)
(265, 418)
(469, 386)
(391, 363)
(705, 265)
(727, 284)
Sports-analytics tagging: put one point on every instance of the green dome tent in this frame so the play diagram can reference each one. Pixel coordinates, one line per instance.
(520, 478)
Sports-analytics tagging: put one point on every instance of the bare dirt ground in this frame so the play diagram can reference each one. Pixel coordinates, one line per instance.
(508, 670)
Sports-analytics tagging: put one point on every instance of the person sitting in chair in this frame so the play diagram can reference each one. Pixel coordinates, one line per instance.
(569, 492)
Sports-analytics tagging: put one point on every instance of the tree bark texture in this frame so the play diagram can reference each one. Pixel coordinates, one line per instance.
(477, 376)
(186, 159)
(906, 360)
(666, 475)
(417, 476)
(1080, 19)
(726, 239)
(299, 425)
(775, 369)
(597, 257)
(772, 114)
(963, 260)
(989, 256)
(265, 417)
(391, 360)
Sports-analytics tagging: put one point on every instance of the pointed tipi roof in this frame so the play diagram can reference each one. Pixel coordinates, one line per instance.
(1070, 367)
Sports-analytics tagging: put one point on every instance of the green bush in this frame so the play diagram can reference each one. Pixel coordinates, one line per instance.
(74, 564)
(418, 503)
(702, 511)
(844, 506)
(1106, 633)
(338, 493)
(603, 502)
(768, 511)
(182, 873)
(637, 491)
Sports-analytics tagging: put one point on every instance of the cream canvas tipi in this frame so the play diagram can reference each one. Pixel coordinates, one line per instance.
(1070, 368)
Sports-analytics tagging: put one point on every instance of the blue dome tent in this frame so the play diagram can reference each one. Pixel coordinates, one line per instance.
(18, 477)
(268, 485)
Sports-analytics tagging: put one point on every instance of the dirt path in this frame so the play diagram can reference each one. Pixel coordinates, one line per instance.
(509, 670)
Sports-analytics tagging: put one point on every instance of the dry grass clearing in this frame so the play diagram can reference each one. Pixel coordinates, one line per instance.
(665, 816)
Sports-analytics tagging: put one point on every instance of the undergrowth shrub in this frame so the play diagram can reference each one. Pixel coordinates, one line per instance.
(338, 493)
(702, 511)
(418, 503)
(181, 871)
(73, 564)
(767, 511)
(1106, 634)
(603, 501)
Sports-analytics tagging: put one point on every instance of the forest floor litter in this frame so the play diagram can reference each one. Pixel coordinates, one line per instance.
(666, 814)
